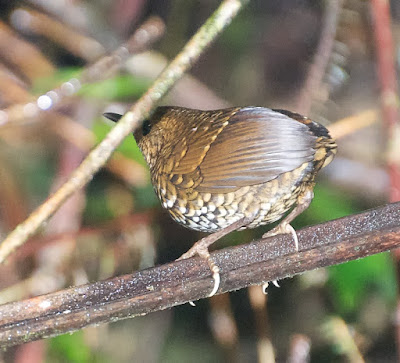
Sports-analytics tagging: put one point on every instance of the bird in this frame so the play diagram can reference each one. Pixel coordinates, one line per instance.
(218, 171)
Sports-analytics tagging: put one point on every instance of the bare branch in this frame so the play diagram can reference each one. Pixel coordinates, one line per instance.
(149, 32)
(141, 109)
(22, 55)
(321, 57)
(351, 124)
(181, 281)
(34, 22)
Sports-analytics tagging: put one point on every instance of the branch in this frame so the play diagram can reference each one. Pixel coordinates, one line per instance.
(386, 69)
(149, 32)
(181, 281)
(351, 124)
(321, 58)
(35, 22)
(130, 121)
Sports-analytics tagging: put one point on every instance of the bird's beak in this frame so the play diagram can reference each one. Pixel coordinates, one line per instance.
(112, 116)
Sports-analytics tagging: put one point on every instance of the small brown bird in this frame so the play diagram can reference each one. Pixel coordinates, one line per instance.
(223, 170)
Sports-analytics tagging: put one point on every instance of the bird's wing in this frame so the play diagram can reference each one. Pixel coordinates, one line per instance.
(256, 146)
(198, 131)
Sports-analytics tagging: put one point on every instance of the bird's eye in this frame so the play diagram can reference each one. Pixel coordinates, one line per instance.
(146, 127)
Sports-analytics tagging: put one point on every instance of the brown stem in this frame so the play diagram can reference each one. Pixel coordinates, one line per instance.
(22, 55)
(351, 124)
(38, 23)
(321, 57)
(176, 283)
(149, 32)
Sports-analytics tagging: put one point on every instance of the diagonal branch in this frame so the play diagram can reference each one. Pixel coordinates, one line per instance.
(106, 66)
(130, 121)
(181, 281)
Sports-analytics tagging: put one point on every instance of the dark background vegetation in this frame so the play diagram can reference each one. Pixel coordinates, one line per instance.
(116, 225)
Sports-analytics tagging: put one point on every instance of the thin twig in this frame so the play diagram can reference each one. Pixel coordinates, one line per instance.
(141, 109)
(38, 23)
(181, 281)
(321, 57)
(22, 55)
(130, 171)
(118, 225)
(71, 12)
(149, 32)
(351, 124)
(340, 335)
(76, 134)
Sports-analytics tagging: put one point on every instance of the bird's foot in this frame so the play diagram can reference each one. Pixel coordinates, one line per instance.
(283, 228)
(200, 248)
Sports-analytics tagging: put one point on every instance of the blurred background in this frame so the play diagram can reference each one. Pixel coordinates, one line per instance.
(51, 106)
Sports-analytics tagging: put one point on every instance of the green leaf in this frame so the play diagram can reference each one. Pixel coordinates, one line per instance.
(45, 84)
(328, 203)
(146, 197)
(120, 87)
(97, 208)
(350, 283)
(128, 147)
(69, 348)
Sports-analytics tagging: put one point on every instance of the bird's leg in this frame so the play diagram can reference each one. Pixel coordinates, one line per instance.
(201, 248)
(303, 202)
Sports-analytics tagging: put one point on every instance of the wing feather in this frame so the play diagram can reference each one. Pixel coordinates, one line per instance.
(203, 129)
(256, 146)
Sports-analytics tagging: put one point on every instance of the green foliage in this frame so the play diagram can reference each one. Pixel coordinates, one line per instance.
(69, 348)
(128, 147)
(351, 282)
(121, 87)
(45, 84)
(328, 203)
(146, 197)
(97, 208)
(236, 35)
(37, 175)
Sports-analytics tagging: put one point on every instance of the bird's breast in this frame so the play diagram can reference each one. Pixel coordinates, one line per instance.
(211, 211)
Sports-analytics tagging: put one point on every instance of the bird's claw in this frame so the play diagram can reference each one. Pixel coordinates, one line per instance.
(284, 228)
(217, 280)
(266, 284)
(203, 253)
